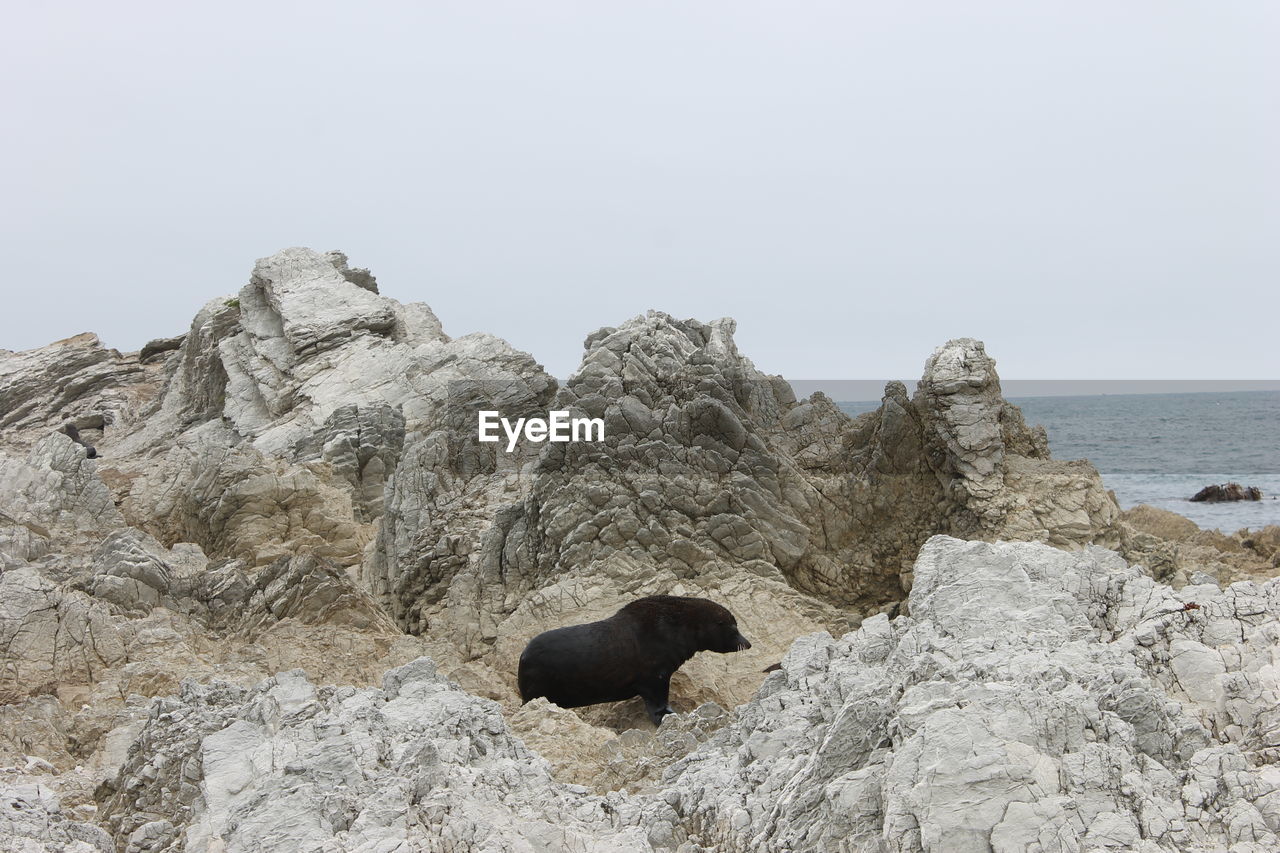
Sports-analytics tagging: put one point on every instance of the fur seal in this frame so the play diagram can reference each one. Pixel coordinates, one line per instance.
(632, 653)
(70, 431)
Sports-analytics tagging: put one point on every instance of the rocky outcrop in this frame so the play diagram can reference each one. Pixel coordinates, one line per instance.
(75, 381)
(53, 497)
(286, 408)
(1177, 551)
(220, 492)
(361, 446)
(50, 637)
(709, 464)
(288, 766)
(295, 484)
(308, 336)
(1033, 698)
(1033, 694)
(996, 470)
(32, 821)
(1227, 492)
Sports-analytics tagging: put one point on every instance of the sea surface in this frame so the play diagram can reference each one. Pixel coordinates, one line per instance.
(1161, 449)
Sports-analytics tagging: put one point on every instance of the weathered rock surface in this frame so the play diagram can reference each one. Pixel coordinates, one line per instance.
(216, 490)
(295, 484)
(288, 766)
(1035, 698)
(52, 498)
(31, 821)
(285, 410)
(76, 381)
(1227, 492)
(1176, 550)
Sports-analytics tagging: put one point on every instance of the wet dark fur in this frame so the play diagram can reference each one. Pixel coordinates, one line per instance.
(632, 653)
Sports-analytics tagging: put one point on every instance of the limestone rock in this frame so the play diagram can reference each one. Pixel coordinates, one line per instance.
(684, 479)
(312, 336)
(311, 591)
(137, 574)
(997, 470)
(237, 502)
(31, 821)
(1033, 697)
(51, 637)
(362, 445)
(285, 410)
(76, 380)
(292, 767)
(708, 462)
(53, 497)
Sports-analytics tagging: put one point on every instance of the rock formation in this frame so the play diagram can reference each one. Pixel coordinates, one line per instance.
(1227, 492)
(288, 500)
(1176, 550)
(1035, 697)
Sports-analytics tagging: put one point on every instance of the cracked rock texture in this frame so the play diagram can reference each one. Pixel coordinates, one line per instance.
(288, 500)
(288, 766)
(1034, 699)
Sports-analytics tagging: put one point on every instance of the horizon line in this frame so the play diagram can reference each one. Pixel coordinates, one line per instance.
(872, 390)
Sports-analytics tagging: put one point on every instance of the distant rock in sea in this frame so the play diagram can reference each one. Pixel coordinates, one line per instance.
(1227, 492)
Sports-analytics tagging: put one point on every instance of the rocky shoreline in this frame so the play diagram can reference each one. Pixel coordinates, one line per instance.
(281, 607)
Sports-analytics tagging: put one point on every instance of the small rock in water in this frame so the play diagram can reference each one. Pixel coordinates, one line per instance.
(1227, 492)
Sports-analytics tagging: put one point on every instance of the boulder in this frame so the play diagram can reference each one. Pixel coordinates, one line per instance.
(1227, 492)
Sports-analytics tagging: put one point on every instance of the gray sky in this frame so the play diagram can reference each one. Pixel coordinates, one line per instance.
(1091, 188)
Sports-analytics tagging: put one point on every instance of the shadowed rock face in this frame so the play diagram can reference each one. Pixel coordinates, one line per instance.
(296, 483)
(1227, 492)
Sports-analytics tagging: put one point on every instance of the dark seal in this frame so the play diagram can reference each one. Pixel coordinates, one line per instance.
(70, 431)
(632, 653)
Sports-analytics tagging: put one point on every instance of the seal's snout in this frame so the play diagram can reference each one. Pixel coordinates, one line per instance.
(743, 643)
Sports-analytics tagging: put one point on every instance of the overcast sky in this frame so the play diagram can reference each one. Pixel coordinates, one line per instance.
(1090, 187)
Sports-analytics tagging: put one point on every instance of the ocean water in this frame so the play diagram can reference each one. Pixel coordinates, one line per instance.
(1161, 449)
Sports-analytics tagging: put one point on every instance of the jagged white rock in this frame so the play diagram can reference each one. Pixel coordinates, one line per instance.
(417, 764)
(31, 821)
(1034, 699)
